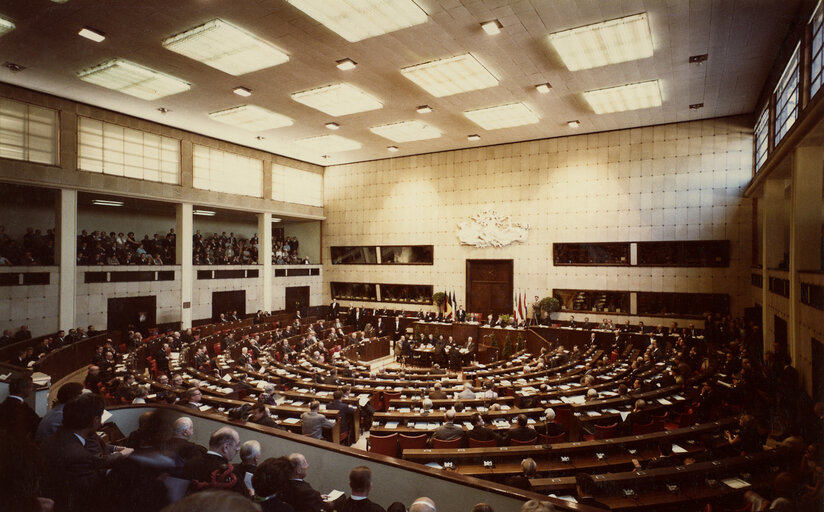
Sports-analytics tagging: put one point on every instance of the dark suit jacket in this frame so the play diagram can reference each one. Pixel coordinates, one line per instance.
(521, 434)
(73, 476)
(18, 418)
(552, 429)
(212, 472)
(302, 497)
(484, 434)
(345, 415)
(184, 450)
(346, 504)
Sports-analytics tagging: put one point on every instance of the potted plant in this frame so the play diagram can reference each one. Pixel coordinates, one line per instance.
(549, 305)
(439, 298)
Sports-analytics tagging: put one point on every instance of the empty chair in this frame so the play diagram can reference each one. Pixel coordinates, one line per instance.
(475, 443)
(606, 432)
(453, 443)
(515, 442)
(412, 442)
(644, 428)
(545, 439)
(385, 445)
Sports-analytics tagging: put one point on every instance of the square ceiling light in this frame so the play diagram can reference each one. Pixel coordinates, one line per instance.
(608, 42)
(6, 26)
(338, 99)
(226, 47)
(406, 131)
(133, 79)
(451, 76)
(251, 117)
(502, 116)
(356, 20)
(624, 97)
(328, 144)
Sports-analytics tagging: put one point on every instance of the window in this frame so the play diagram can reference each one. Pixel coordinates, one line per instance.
(296, 186)
(816, 55)
(786, 98)
(113, 149)
(28, 132)
(762, 132)
(220, 171)
(609, 253)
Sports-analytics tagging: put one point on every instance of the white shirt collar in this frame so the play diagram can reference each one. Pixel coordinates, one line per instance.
(17, 397)
(81, 438)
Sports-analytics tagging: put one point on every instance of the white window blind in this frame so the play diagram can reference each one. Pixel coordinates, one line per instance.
(28, 132)
(221, 171)
(786, 98)
(113, 149)
(296, 186)
(762, 129)
(816, 55)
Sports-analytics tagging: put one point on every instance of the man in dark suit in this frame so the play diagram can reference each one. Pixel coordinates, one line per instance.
(460, 315)
(16, 416)
(298, 493)
(480, 432)
(334, 309)
(552, 429)
(437, 393)
(180, 445)
(360, 481)
(638, 416)
(345, 411)
(521, 432)
(74, 475)
(448, 431)
(214, 469)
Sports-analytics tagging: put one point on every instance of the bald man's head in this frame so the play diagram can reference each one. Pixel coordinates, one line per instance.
(423, 504)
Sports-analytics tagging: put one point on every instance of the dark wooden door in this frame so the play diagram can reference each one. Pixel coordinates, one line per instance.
(817, 351)
(297, 298)
(489, 286)
(225, 302)
(781, 332)
(127, 313)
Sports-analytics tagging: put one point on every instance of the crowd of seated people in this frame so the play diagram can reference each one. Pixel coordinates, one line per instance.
(34, 248)
(231, 249)
(767, 395)
(28, 356)
(60, 464)
(100, 248)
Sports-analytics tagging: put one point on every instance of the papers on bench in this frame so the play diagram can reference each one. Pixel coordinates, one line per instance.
(611, 410)
(333, 495)
(363, 400)
(735, 483)
(291, 421)
(624, 415)
(565, 498)
(391, 424)
(664, 401)
(678, 449)
(204, 408)
(577, 399)
(227, 377)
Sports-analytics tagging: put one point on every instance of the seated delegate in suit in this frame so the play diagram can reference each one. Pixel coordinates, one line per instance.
(360, 481)
(16, 416)
(480, 432)
(448, 431)
(270, 481)
(346, 411)
(521, 432)
(74, 475)
(298, 493)
(313, 422)
(214, 469)
(180, 445)
(550, 428)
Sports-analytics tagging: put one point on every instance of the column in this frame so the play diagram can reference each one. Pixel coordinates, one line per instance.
(185, 230)
(805, 246)
(265, 257)
(772, 247)
(66, 249)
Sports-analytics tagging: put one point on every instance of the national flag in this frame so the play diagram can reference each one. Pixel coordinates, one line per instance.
(523, 306)
(517, 310)
(447, 306)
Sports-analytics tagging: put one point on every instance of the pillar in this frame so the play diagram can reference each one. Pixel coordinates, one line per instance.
(184, 226)
(66, 248)
(265, 257)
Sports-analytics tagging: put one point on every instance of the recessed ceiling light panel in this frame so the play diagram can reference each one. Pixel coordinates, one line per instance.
(338, 99)
(106, 202)
(251, 117)
(92, 35)
(393, 149)
(492, 27)
(473, 138)
(356, 20)
(406, 131)
(133, 79)
(451, 76)
(243, 91)
(329, 144)
(332, 126)
(608, 42)
(502, 116)
(423, 109)
(543, 88)
(203, 213)
(346, 64)
(6, 26)
(625, 97)
(226, 47)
